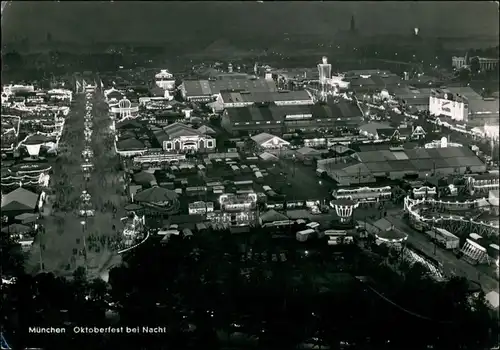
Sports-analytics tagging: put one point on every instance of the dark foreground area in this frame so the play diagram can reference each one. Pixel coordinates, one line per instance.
(217, 290)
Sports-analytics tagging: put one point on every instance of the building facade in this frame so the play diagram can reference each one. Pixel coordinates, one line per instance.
(178, 137)
(449, 105)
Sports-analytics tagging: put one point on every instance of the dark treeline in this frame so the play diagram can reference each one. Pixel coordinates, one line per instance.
(197, 290)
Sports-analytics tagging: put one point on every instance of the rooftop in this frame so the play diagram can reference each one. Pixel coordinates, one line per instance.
(264, 96)
(210, 88)
(130, 144)
(19, 199)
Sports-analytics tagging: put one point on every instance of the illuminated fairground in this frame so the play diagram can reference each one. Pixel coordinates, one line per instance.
(236, 210)
(134, 232)
(459, 218)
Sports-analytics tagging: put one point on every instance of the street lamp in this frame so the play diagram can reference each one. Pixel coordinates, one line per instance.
(83, 223)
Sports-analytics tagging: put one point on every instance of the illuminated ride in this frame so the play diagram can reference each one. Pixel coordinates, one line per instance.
(236, 210)
(454, 217)
(344, 208)
(134, 232)
(363, 195)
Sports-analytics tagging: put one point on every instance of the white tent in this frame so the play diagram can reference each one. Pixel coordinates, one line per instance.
(266, 140)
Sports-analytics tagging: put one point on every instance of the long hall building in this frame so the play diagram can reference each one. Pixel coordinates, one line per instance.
(278, 120)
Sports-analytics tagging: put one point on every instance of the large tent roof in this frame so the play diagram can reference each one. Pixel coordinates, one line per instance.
(155, 195)
(19, 199)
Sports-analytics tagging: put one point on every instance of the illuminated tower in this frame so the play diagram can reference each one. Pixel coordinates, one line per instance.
(325, 74)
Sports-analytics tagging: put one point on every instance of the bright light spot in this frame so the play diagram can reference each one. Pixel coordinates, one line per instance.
(416, 30)
(306, 252)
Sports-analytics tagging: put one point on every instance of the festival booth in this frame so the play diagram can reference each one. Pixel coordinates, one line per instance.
(385, 233)
(482, 184)
(364, 195)
(200, 208)
(424, 192)
(236, 210)
(157, 159)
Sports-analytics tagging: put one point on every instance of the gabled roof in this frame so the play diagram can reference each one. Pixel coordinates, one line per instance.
(19, 199)
(204, 129)
(309, 151)
(130, 145)
(178, 129)
(268, 156)
(262, 138)
(272, 215)
(386, 132)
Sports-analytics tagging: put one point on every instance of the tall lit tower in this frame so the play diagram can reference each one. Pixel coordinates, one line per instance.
(325, 74)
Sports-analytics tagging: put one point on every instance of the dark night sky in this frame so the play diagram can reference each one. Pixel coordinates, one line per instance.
(157, 21)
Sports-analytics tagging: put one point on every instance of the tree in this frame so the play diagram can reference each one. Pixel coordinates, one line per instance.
(12, 258)
(475, 66)
(12, 59)
(464, 75)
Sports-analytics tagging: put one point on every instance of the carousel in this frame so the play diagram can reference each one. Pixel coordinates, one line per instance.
(458, 218)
